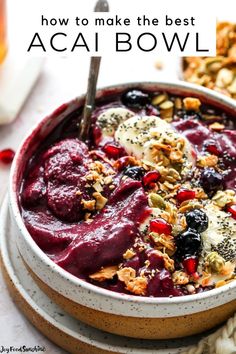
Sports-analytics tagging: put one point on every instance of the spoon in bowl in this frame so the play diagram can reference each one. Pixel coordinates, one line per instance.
(84, 126)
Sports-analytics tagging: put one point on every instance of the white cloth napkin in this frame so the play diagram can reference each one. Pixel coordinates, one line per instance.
(17, 77)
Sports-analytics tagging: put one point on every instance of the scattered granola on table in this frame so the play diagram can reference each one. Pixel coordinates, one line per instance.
(217, 73)
(149, 207)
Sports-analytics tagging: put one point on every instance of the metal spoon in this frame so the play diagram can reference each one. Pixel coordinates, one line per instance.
(101, 6)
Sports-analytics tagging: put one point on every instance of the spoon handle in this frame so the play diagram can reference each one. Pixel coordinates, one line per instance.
(101, 6)
(90, 98)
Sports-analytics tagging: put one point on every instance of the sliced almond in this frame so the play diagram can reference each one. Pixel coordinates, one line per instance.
(98, 187)
(129, 254)
(207, 161)
(137, 286)
(88, 204)
(100, 200)
(180, 278)
(104, 273)
(217, 126)
(163, 242)
(176, 155)
(126, 274)
(108, 180)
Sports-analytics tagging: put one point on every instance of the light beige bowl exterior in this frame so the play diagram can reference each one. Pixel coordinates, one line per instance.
(141, 327)
(140, 317)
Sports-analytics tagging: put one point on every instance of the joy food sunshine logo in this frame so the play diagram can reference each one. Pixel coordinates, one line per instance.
(22, 349)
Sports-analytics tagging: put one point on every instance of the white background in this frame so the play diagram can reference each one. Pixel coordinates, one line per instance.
(30, 13)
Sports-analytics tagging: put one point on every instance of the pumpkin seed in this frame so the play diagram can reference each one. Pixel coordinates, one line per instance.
(214, 262)
(156, 201)
(214, 64)
(167, 105)
(159, 99)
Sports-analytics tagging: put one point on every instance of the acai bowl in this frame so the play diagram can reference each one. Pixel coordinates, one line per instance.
(133, 232)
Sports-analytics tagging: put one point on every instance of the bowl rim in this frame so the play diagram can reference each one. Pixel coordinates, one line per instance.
(161, 85)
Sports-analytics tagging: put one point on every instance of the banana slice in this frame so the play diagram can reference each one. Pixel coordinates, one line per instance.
(150, 138)
(220, 234)
(110, 119)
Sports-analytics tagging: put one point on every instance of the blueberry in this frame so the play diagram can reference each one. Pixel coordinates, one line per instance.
(189, 115)
(197, 220)
(188, 243)
(194, 115)
(211, 181)
(135, 99)
(134, 172)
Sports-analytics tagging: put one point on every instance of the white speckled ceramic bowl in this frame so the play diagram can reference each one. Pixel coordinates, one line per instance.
(128, 315)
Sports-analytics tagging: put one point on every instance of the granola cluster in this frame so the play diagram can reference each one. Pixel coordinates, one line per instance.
(98, 180)
(217, 73)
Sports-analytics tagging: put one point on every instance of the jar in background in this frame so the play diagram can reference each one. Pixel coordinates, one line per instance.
(3, 30)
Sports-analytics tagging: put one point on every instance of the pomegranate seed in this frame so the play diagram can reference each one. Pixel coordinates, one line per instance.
(160, 226)
(97, 135)
(213, 148)
(112, 151)
(194, 154)
(6, 156)
(190, 265)
(150, 177)
(232, 210)
(185, 194)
